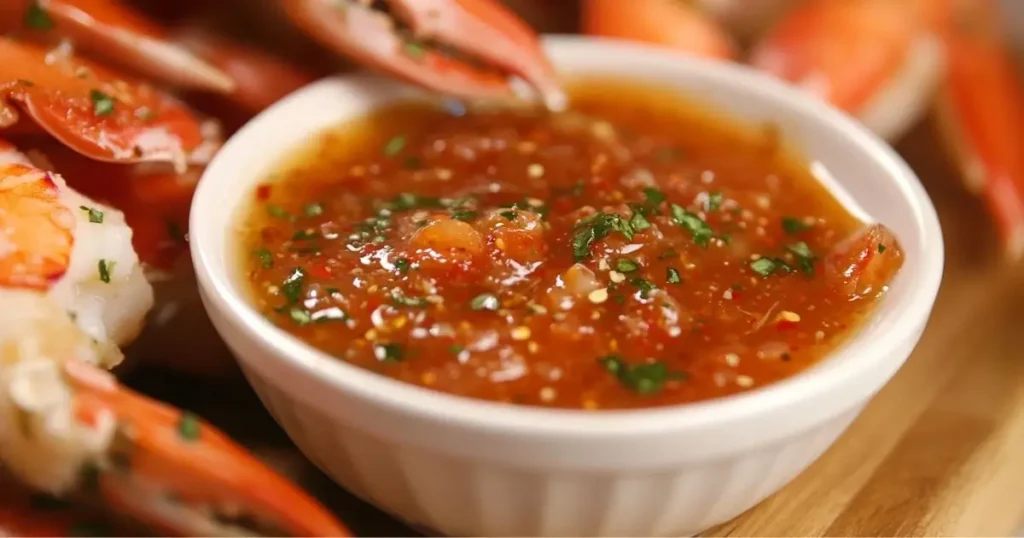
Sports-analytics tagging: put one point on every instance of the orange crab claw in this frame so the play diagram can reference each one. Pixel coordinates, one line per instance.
(981, 114)
(95, 112)
(494, 41)
(114, 32)
(875, 59)
(678, 25)
(173, 472)
(865, 262)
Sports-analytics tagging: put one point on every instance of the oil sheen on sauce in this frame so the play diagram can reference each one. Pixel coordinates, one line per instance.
(630, 253)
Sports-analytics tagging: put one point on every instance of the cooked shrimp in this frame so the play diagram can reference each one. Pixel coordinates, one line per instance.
(72, 291)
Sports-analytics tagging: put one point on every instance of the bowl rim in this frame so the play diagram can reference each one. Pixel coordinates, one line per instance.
(432, 405)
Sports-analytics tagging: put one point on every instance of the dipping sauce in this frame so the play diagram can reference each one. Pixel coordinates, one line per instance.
(629, 253)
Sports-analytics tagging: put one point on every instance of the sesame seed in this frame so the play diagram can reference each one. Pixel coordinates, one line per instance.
(500, 243)
(603, 265)
(443, 174)
(370, 334)
(428, 378)
(526, 147)
(435, 299)
(727, 294)
(819, 336)
(786, 315)
(533, 347)
(547, 394)
(745, 381)
(598, 296)
(732, 359)
(521, 333)
(535, 202)
(616, 277)
(589, 404)
(535, 170)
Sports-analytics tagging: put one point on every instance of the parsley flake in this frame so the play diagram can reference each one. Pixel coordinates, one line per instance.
(644, 379)
(188, 426)
(672, 276)
(764, 266)
(105, 268)
(102, 104)
(626, 265)
(793, 225)
(95, 215)
(485, 301)
(701, 232)
(37, 18)
(292, 285)
(394, 146)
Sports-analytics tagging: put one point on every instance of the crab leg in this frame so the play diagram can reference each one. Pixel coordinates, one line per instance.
(170, 470)
(876, 59)
(489, 34)
(113, 31)
(981, 113)
(669, 23)
(95, 112)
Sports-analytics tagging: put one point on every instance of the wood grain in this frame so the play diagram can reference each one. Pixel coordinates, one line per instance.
(939, 451)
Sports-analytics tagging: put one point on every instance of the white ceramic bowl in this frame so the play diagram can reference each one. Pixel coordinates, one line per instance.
(467, 467)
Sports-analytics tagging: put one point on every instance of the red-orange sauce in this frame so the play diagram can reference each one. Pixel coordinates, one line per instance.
(630, 253)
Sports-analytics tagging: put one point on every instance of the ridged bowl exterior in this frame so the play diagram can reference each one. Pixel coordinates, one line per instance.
(464, 497)
(466, 467)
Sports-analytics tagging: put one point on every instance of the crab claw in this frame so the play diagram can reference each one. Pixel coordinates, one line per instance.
(981, 115)
(167, 469)
(116, 33)
(464, 48)
(97, 113)
(878, 60)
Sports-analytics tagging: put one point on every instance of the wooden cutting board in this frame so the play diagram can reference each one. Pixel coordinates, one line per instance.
(940, 451)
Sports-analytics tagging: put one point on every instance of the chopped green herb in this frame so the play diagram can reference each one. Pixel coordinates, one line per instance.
(804, 256)
(313, 210)
(485, 301)
(300, 315)
(266, 258)
(407, 201)
(95, 215)
(644, 379)
(577, 189)
(402, 265)
(292, 285)
(509, 215)
(645, 286)
(881, 248)
(626, 265)
(394, 146)
(102, 104)
(701, 232)
(389, 352)
(188, 426)
(414, 49)
(653, 197)
(400, 299)
(278, 211)
(455, 349)
(793, 226)
(304, 235)
(105, 269)
(673, 276)
(596, 228)
(714, 201)
(37, 18)
(638, 221)
(764, 266)
(464, 215)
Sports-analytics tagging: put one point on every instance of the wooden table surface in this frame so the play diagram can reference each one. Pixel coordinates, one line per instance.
(940, 451)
